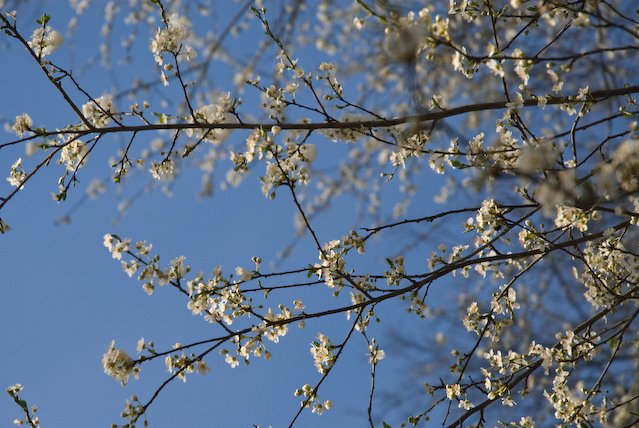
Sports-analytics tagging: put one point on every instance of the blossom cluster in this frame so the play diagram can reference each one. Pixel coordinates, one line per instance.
(116, 246)
(375, 353)
(331, 263)
(74, 154)
(22, 124)
(119, 365)
(17, 175)
(322, 352)
(213, 114)
(487, 222)
(30, 419)
(609, 270)
(172, 39)
(312, 400)
(45, 40)
(182, 364)
(99, 112)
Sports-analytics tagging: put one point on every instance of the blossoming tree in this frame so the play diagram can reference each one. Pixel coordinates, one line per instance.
(517, 119)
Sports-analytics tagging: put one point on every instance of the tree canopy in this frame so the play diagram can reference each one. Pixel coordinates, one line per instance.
(459, 182)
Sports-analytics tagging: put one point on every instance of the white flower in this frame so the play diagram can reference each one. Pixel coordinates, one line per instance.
(465, 404)
(44, 41)
(403, 45)
(164, 79)
(108, 241)
(375, 354)
(624, 165)
(308, 151)
(508, 401)
(535, 157)
(116, 246)
(570, 217)
(582, 95)
(118, 364)
(143, 248)
(213, 114)
(163, 171)
(517, 103)
(321, 351)
(358, 23)
(495, 68)
(99, 111)
(319, 407)
(542, 101)
(130, 268)
(171, 38)
(17, 174)
(453, 391)
(95, 188)
(231, 361)
(74, 155)
(22, 124)
(14, 389)
(30, 148)
(526, 422)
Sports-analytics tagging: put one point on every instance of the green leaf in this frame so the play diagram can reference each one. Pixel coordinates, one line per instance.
(44, 19)
(459, 165)
(385, 425)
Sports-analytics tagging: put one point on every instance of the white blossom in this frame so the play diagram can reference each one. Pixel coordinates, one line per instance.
(22, 124)
(45, 40)
(535, 157)
(163, 171)
(99, 111)
(453, 391)
(116, 246)
(375, 354)
(118, 364)
(213, 114)
(322, 352)
(74, 155)
(17, 175)
(172, 39)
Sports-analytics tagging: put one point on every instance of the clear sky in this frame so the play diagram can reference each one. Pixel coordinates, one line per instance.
(63, 298)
